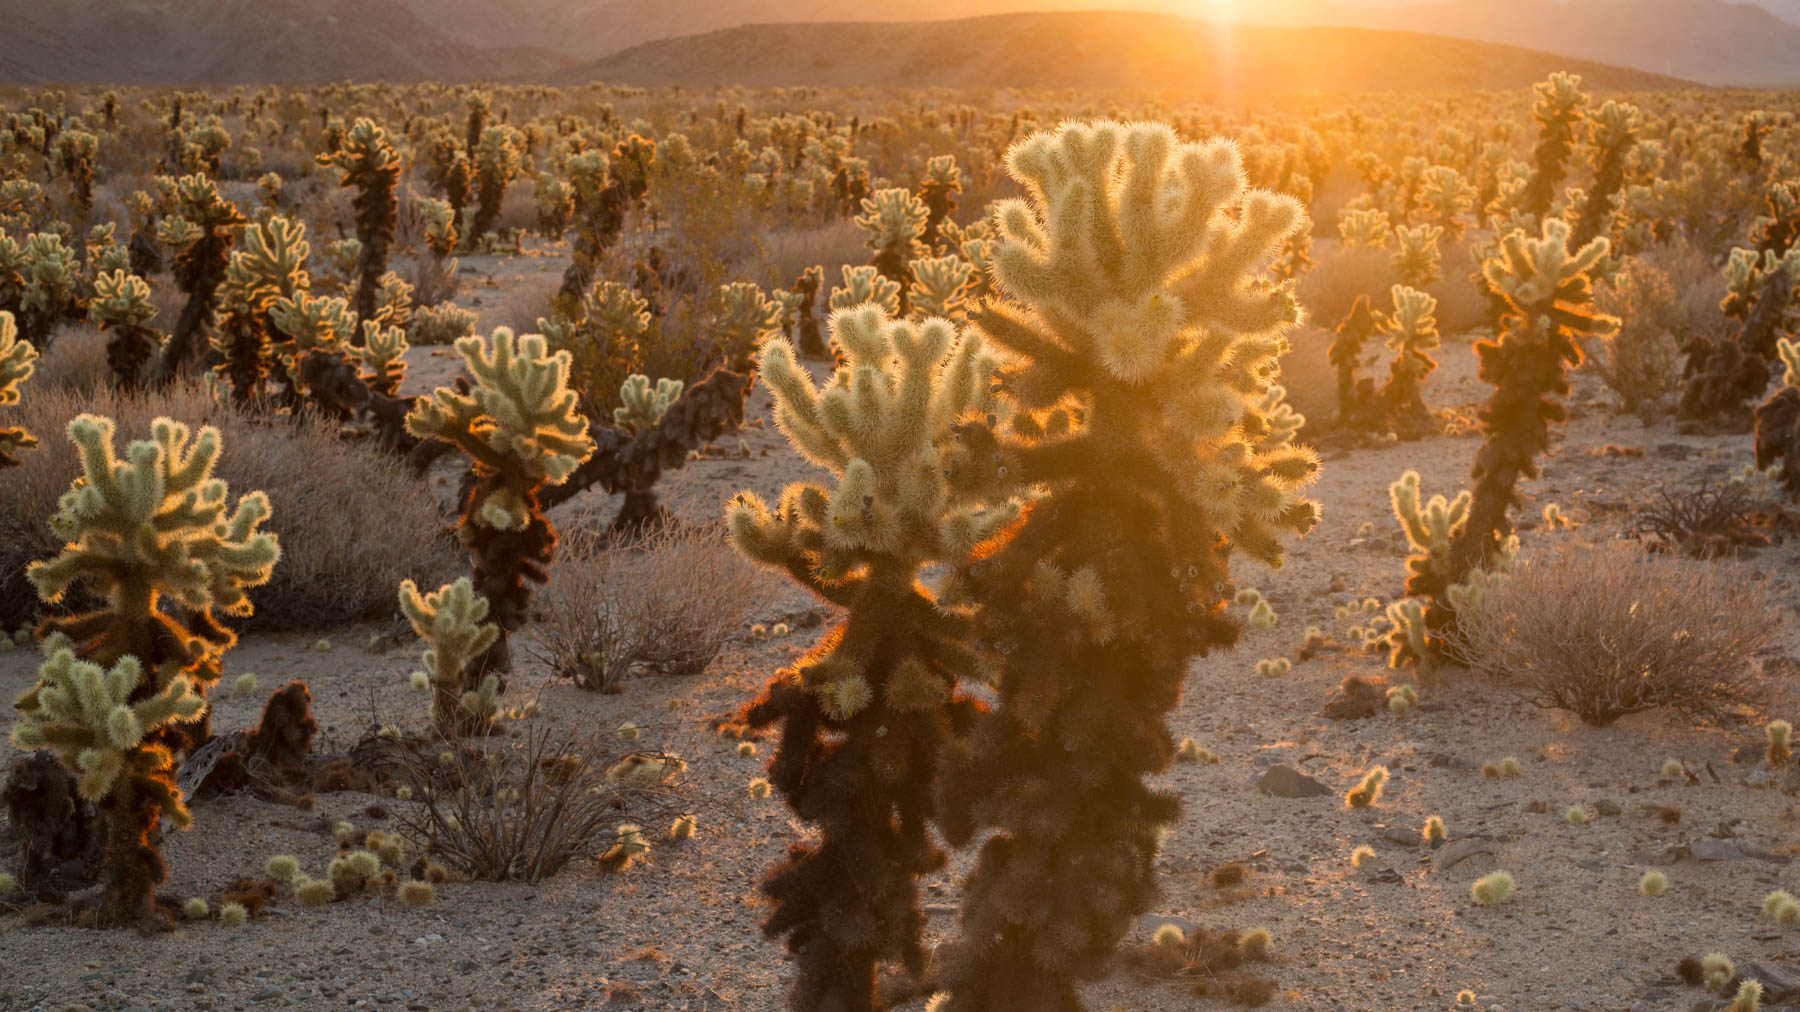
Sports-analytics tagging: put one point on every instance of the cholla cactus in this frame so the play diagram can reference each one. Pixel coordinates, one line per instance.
(864, 714)
(50, 276)
(604, 338)
(439, 233)
(383, 357)
(521, 430)
(1417, 261)
(1444, 197)
(450, 619)
(121, 306)
(1777, 422)
(202, 236)
(1146, 351)
(1364, 228)
(942, 185)
(801, 322)
(368, 163)
(1412, 335)
(270, 268)
(1358, 407)
(864, 285)
(644, 405)
(152, 537)
(940, 287)
(75, 149)
(498, 159)
(743, 317)
(554, 200)
(1763, 296)
(1558, 109)
(1614, 135)
(18, 360)
(894, 220)
(1431, 529)
(1550, 305)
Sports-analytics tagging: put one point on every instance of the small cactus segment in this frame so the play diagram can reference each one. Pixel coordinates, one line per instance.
(18, 359)
(450, 619)
(862, 714)
(643, 405)
(1492, 890)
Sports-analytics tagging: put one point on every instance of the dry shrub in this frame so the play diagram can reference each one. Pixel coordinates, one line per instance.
(1308, 377)
(1340, 275)
(1642, 362)
(75, 363)
(352, 523)
(1704, 520)
(514, 303)
(789, 251)
(1604, 632)
(519, 809)
(665, 605)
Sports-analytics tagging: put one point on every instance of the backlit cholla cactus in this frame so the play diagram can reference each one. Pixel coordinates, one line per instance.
(122, 308)
(1558, 109)
(1444, 198)
(1364, 228)
(742, 317)
(1431, 529)
(269, 268)
(1412, 335)
(942, 185)
(152, 538)
(450, 620)
(200, 234)
(1762, 295)
(498, 158)
(75, 149)
(1777, 421)
(50, 274)
(1614, 136)
(1141, 412)
(894, 221)
(522, 432)
(369, 164)
(1417, 261)
(642, 404)
(605, 338)
(18, 360)
(941, 287)
(864, 715)
(1550, 306)
(864, 285)
(382, 357)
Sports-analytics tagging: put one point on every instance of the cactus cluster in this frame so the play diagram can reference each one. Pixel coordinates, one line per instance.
(18, 360)
(123, 690)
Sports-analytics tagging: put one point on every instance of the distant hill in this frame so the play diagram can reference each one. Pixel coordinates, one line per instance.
(1115, 50)
(1713, 41)
(190, 42)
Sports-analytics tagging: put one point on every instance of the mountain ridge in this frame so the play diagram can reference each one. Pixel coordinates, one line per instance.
(1127, 51)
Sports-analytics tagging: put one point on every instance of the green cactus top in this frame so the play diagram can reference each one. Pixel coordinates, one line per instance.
(879, 426)
(18, 360)
(1417, 261)
(1547, 284)
(520, 423)
(643, 404)
(270, 265)
(941, 286)
(451, 620)
(87, 716)
(894, 219)
(156, 524)
(121, 300)
(864, 285)
(1364, 227)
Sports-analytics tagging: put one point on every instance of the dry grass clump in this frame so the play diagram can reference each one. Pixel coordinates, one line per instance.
(352, 522)
(1604, 632)
(1642, 362)
(522, 808)
(1342, 274)
(665, 604)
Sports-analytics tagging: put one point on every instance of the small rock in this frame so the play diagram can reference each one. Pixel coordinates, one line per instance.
(1608, 809)
(1286, 782)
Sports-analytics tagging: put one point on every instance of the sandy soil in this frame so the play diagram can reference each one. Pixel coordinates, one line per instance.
(680, 931)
